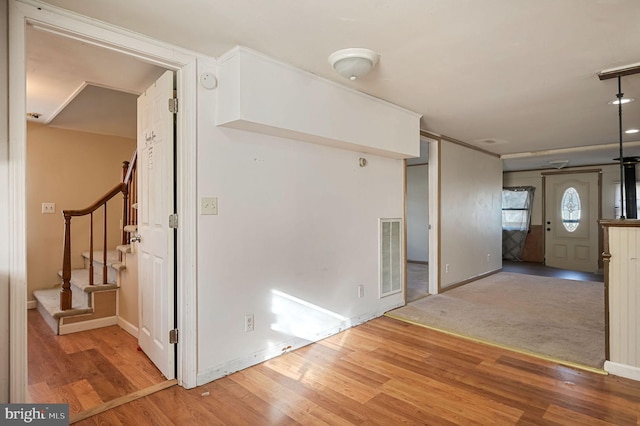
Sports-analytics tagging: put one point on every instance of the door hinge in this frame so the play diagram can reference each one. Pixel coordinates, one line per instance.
(173, 336)
(173, 105)
(173, 220)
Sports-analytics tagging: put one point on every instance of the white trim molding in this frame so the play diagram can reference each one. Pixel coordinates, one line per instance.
(622, 370)
(128, 327)
(86, 325)
(183, 62)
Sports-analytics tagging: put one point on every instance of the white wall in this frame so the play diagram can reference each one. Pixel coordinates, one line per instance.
(89, 163)
(4, 202)
(470, 213)
(418, 213)
(296, 233)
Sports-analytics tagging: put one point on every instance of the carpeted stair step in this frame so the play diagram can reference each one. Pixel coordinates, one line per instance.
(125, 248)
(50, 301)
(131, 228)
(113, 263)
(49, 307)
(112, 256)
(80, 281)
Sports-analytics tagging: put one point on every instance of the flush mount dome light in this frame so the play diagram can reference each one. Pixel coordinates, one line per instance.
(354, 62)
(558, 164)
(632, 131)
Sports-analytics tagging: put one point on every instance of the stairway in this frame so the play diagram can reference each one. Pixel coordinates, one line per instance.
(93, 306)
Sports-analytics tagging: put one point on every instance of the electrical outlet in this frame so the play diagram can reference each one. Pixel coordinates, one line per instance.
(209, 205)
(360, 291)
(488, 258)
(446, 268)
(248, 322)
(48, 208)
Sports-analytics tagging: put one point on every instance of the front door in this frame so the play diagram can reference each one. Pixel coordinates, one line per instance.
(155, 204)
(571, 221)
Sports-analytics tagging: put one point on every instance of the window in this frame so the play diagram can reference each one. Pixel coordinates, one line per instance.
(516, 208)
(570, 209)
(516, 216)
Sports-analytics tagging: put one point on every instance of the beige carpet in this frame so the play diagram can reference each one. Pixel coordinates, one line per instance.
(417, 281)
(556, 318)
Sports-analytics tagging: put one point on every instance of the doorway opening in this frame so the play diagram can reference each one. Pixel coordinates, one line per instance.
(91, 151)
(417, 222)
(169, 57)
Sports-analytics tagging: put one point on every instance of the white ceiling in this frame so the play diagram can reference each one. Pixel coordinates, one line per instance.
(79, 86)
(508, 76)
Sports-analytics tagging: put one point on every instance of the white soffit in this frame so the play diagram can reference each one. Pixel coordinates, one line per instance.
(58, 69)
(102, 110)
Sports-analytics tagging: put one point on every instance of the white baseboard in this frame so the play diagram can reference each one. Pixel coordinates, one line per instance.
(292, 344)
(86, 325)
(622, 370)
(32, 304)
(128, 327)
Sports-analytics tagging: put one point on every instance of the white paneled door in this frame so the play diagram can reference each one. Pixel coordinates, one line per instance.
(571, 221)
(155, 205)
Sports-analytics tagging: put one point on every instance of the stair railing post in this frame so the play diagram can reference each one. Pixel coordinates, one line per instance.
(91, 250)
(125, 203)
(125, 217)
(104, 247)
(65, 291)
(133, 198)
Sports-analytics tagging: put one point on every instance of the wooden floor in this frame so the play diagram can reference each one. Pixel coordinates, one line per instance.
(84, 369)
(387, 372)
(531, 268)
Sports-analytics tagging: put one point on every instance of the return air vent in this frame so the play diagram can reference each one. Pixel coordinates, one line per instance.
(391, 267)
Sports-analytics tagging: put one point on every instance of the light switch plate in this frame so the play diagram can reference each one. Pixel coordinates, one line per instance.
(209, 205)
(48, 208)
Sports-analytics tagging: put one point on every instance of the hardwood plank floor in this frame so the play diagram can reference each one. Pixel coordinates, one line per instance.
(84, 369)
(532, 268)
(387, 372)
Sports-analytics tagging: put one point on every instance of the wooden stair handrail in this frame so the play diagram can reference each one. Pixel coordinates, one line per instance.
(131, 168)
(126, 187)
(121, 187)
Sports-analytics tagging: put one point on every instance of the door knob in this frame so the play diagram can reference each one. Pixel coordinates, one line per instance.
(135, 239)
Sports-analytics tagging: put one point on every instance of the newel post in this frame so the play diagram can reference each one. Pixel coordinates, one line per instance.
(125, 212)
(65, 291)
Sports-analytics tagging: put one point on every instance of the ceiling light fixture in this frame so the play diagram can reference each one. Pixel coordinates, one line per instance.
(632, 131)
(558, 164)
(623, 101)
(354, 62)
(628, 178)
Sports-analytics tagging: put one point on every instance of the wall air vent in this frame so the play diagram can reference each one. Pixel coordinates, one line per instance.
(391, 260)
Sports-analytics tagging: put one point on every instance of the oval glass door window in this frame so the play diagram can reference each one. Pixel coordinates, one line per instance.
(570, 212)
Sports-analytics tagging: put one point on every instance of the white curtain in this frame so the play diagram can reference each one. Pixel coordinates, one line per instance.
(516, 218)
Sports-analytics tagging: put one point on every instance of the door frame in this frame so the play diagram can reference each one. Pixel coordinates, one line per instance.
(184, 63)
(544, 206)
